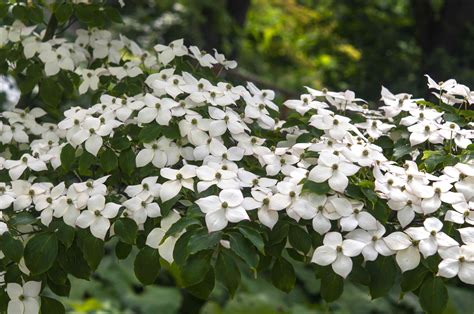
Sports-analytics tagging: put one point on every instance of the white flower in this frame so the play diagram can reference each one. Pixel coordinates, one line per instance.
(334, 169)
(408, 256)
(337, 253)
(229, 206)
(55, 60)
(375, 244)
(7, 196)
(147, 188)
(90, 79)
(178, 179)
(335, 126)
(17, 167)
(140, 209)
(227, 64)
(212, 174)
(97, 216)
(167, 53)
(457, 261)
(129, 69)
(430, 236)
(24, 299)
(162, 152)
(358, 218)
(204, 59)
(155, 237)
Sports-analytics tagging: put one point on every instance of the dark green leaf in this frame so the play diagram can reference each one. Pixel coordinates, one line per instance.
(51, 306)
(11, 247)
(318, 188)
(66, 234)
(147, 265)
(383, 272)
(40, 252)
(126, 229)
(68, 156)
(412, 279)
(196, 268)
(253, 236)
(92, 248)
(150, 133)
(332, 286)
(127, 161)
(108, 160)
(180, 225)
(122, 250)
(203, 289)
(244, 249)
(433, 295)
(202, 240)
(283, 275)
(299, 239)
(85, 163)
(63, 12)
(113, 14)
(227, 271)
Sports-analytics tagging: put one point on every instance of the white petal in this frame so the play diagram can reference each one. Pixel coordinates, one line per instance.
(324, 255)
(408, 259)
(144, 157)
(448, 268)
(154, 237)
(209, 204)
(320, 174)
(32, 288)
(93, 144)
(232, 197)
(15, 307)
(267, 217)
(397, 241)
(352, 247)
(342, 265)
(338, 182)
(236, 214)
(100, 227)
(466, 273)
(170, 189)
(216, 220)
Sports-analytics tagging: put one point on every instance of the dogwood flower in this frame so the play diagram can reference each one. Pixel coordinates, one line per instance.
(333, 169)
(177, 180)
(17, 167)
(229, 206)
(155, 237)
(24, 299)
(457, 261)
(97, 216)
(337, 253)
(430, 236)
(408, 255)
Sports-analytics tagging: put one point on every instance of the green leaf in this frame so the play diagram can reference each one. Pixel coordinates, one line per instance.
(127, 161)
(92, 248)
(180, 252)
(433, 295)
(318, 188)
(40, 252)
(196, 268)
(401, 150)
(35, 14)
(3, 10)
(150, 133)
(203, 289)
(283, 275)
(113, 14)
(253, 236)
(51, 306)
(66, 234)
(383, 272)
(147, 265)
(11, 247)
(85, 163)
(126, 229)
(244, 249)
(202, 240)
(172, 132)
(50, 92)
(180, 225)
(122, 250)
(299, 239)
(20, 12)
(63, 12)
(68, 156)
(108, 160)
(412, 279)
(227, 271)
(332, 286)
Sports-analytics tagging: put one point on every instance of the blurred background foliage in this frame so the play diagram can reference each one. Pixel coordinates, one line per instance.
(350, 44)
(285, 45)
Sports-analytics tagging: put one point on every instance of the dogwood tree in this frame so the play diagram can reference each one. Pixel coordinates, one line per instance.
(152, 153)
